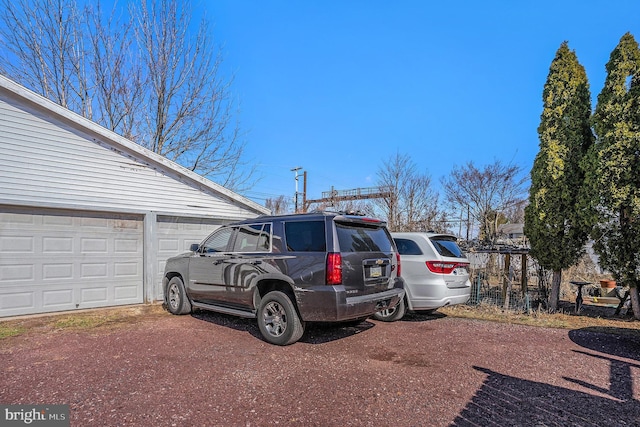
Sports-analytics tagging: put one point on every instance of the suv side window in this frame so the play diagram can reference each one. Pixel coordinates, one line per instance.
(305, 236)
(253, 238)
(218, 241)
(362, 239)
(407, 247)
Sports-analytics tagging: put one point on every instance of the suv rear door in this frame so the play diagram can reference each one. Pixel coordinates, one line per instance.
(368, 255)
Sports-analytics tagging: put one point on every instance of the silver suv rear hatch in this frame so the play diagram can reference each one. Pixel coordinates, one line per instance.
(455, 266)
(369, 262)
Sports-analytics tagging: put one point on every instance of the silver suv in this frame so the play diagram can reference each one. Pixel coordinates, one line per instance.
(288, 270)
(435, 271)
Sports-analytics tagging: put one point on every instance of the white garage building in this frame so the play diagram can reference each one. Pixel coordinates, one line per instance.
(88, 218)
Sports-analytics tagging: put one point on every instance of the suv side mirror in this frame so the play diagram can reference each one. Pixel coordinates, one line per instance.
(194, 247)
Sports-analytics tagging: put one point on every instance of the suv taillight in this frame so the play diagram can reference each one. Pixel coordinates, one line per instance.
(442, 267)
(334, 268)
(398, 269)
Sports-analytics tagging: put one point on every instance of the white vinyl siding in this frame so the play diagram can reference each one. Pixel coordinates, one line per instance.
(46, 164)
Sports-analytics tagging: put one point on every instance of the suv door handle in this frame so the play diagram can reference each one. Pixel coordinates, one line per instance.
(256, 262)
(217, 262)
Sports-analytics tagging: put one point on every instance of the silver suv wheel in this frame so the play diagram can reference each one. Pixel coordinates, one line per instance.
(391, 314)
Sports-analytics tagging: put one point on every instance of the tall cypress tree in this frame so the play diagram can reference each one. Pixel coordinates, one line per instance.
(614, 168)
(552, 219)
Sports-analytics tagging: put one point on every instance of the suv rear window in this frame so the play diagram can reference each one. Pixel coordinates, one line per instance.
(305, 236)
(362, 239)
(447, 246)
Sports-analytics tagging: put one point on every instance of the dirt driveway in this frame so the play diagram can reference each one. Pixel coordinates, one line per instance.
(214, 370)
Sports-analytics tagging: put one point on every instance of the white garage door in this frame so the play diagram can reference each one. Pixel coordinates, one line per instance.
(175, 236)
(53, 261)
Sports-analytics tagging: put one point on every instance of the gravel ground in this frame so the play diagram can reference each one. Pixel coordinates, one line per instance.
(213, 370)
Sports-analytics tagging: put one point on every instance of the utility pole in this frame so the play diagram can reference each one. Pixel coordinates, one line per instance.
(296, 169)
(304, 192)
(468, 221)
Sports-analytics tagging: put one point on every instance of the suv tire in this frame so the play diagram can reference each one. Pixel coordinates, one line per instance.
(278, 319)
(393, 314)
(177, 301)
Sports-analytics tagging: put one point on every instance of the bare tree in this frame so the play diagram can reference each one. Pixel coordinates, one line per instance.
(488, 193)
(514, 213)
(413, 205)
(278, 205)
(44, 49)
(116, 70)
(149, 75)
(188, 104)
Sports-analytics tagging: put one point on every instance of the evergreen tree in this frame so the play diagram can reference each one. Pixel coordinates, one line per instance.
(552, 219)
(614, 168)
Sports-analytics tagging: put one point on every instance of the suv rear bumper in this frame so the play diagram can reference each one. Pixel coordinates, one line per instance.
(439, 297)
(331, 303)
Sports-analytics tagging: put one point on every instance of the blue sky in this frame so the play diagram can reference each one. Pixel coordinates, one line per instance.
(336, 87)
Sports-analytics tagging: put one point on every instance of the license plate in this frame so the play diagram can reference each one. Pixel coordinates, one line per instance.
(375, 271)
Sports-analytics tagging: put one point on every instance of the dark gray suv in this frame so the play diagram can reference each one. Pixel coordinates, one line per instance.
(288, 270)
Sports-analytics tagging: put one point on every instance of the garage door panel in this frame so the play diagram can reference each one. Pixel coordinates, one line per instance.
(61, 300)
(125, 293)
(16, 244)
(60, 221)
(91, 296)
(17, 301)
(18, 220)
(94, 271)
(92, 245)
(57, 245)
(168, 245)
(125, 270)
(126, 246)
(57, 271)
(52, 260)
(16, 273)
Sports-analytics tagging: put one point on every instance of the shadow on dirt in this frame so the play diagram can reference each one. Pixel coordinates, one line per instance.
(617, 342)
(507, 400)
(228, 321)
(315, 333)
(422, 316)
(320, 333)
